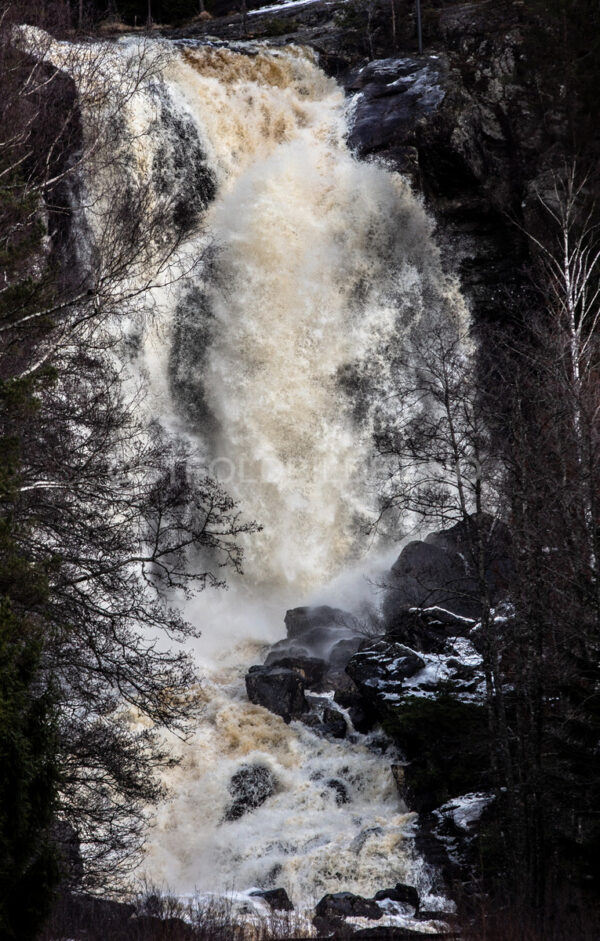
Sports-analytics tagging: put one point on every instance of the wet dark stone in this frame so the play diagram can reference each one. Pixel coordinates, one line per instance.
(277, 899)
(399, 776)
(394, 95)
(334, 723)
(311, 669)
(359, 841)
(440, 573)
(428, 575)
(313, 722)
(330, 927)
(420, 630)
(345, 905)
(279, 690)
(406, 894)
(361, 716)
(300, 621)
(498, 549)
(462, 671)
(249, 787)
(343, 651)
(361, 720)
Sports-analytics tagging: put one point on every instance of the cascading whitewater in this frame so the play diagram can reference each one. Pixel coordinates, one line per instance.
(271, 350)
(314, 262)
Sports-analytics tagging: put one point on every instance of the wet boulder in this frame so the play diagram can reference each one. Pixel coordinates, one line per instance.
(317, 632)
(320, 641)
(301, 621)
(393, 95)
(334, 723)
(438, 576)
(277, 689)
(399, 776)
(359, 841)
(361, 716)
(311, 669)
(343, 651)
(277, 899)
(497, 547)
(405, 894)
(425, 629)
(249, 787)
(347, 905)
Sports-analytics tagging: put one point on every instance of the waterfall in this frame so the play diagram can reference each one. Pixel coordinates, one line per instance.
(315, 261)
(271, 352)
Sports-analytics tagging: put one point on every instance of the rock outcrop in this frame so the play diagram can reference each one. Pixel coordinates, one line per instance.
(276, 899)
(347, 905)
(320, 642)
(277, 689)
(439, 575)
(405, 894)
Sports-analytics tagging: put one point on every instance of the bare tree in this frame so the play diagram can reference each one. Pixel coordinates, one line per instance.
(551, 462)
(565, 346)
(442, 469)
(115, 514)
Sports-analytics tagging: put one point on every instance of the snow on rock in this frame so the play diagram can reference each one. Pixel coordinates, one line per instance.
(466, 809)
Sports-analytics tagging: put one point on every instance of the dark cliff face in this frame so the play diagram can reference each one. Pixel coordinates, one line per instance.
(472, 131)
(467, 121)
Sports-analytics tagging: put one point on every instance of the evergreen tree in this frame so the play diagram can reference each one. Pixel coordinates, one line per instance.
(29, 777)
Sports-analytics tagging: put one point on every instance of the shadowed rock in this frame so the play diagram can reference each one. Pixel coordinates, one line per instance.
(279, 690)
(341, 793)
(277, 899)
(347, 905)
(334, 723)
(301, 621)
(379, 669)
(311, 669)
(406, 894)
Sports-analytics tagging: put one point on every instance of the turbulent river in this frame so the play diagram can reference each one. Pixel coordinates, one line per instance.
(271, 354)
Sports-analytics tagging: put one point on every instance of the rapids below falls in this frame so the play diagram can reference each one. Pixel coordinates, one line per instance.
(271, 354)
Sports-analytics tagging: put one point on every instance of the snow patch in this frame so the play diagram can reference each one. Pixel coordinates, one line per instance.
(466, 809)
